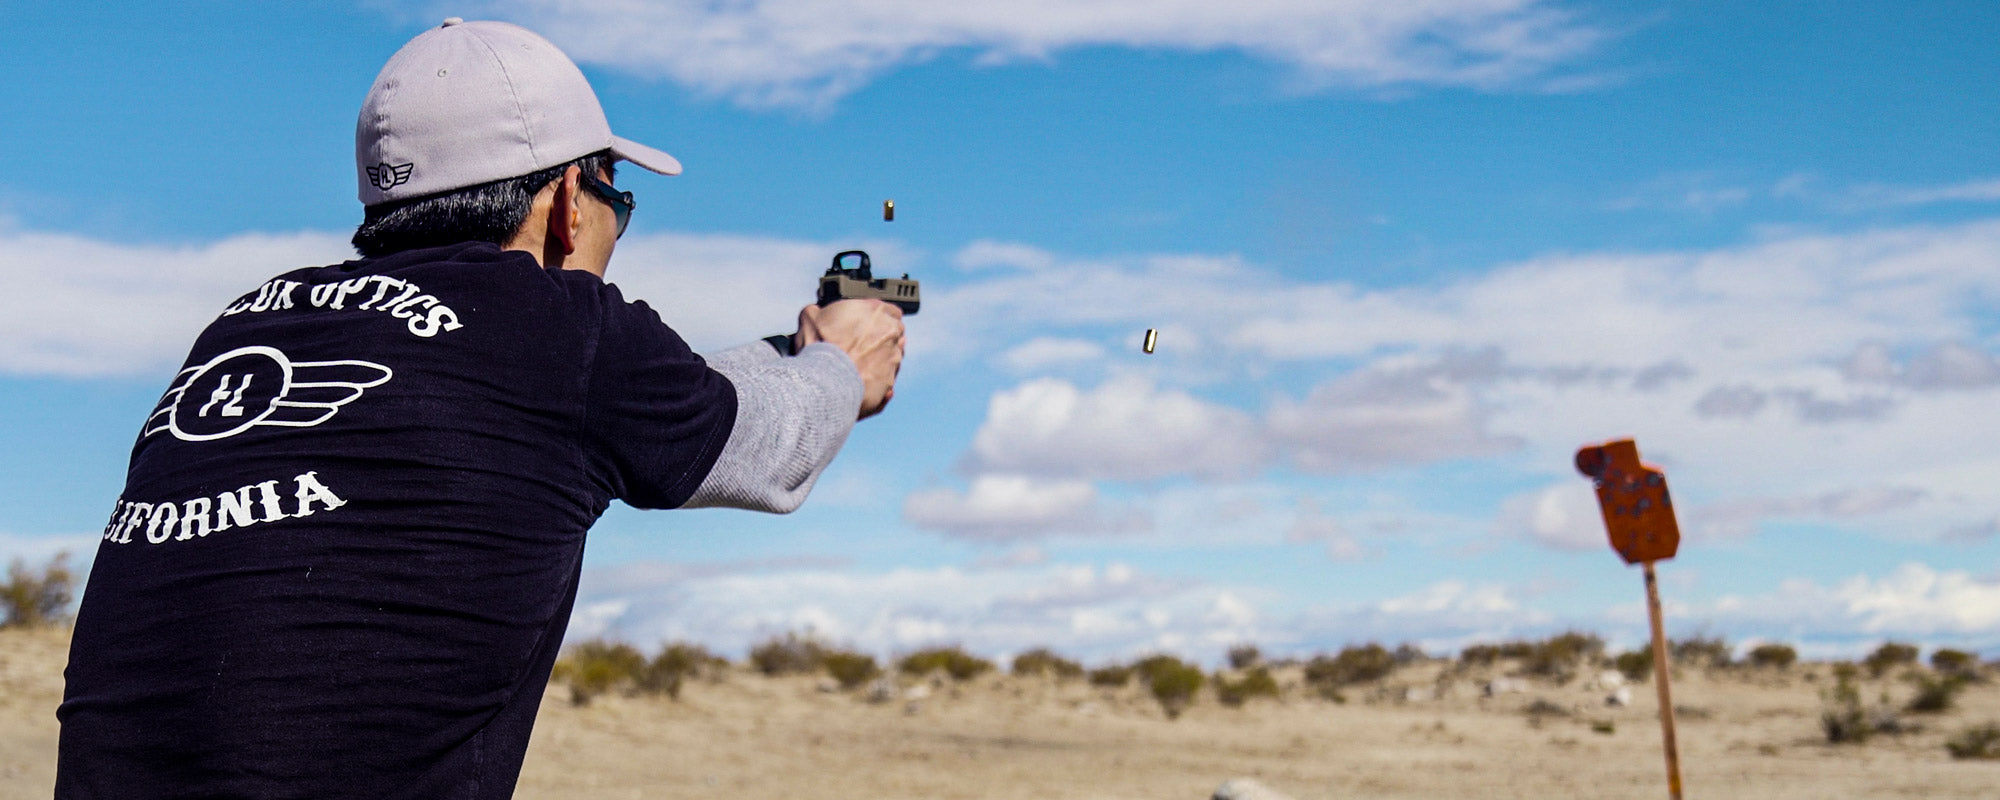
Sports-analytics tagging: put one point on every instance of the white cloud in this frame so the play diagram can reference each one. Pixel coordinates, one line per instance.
(1313, 526)
(1944, 365)
(808, 53)
(1388, 415)
(1563, 516)
(1043, 352)
(1802, 364)
(1126, 428)
(78, 306)
(1878, 195)
(1442, 616)
(1698, 193)
(1737, 518)
(1915, 601)
(35, 552)
(1005, 507)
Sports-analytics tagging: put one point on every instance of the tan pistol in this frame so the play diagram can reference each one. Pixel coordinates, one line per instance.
(852, 278)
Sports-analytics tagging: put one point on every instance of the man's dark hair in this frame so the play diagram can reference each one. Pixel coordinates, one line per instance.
(490, 212)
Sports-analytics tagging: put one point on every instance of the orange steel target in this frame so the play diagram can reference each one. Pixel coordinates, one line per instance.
(1638, 514)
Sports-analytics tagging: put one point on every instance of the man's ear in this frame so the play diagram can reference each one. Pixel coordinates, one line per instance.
(565, 215)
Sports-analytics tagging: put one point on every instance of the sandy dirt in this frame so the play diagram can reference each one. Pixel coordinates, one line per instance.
(1743, 735)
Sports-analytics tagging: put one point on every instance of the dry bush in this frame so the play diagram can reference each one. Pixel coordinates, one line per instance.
(676, 662)
(1560, 656)
(1978, 741)
(1957, 662)
(953, 661)
(1637, 665)
(1545, 708)
(33, 598)
(1842, 718)
(849, 667)
(1700, 651)
(597, 666)
(1173, 682)
(1043, 661)
(1257, 682)
(1112, 675)
(790, 654)
(1486, 654)
(1935, 693)
(1479, 655)
(1774, 656)
(1245, 656)
(1353, 664)
(1889, 656)
(1409, 653)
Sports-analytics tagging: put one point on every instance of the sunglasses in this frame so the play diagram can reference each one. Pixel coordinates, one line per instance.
(621, 202)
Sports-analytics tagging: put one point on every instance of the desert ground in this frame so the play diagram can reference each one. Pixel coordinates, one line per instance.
(1426, 731)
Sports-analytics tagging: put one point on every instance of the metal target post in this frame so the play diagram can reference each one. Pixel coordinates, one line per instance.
(1639, 517)
(1666, 694)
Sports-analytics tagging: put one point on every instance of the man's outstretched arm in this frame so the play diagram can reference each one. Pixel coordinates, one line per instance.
(794, 413)
(792, 416)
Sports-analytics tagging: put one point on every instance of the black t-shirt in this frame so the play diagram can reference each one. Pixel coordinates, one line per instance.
(351, 532)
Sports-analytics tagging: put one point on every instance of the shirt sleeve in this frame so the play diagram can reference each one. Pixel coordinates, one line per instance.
(793, 415)
(656, 415)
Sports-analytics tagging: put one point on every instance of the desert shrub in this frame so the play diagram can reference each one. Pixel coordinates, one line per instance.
(1558, 656)
(36, 597)
(1353, 664)
(1956, 662)
(1518, 649)
(1935, 693)
(1700, 651)
(1545, 708)
(1479, 655)
(1043, 661)
(1978, 741)
(594, 667)
(1637, 665)
(1172, 681)
(1889, 656)
(790, 654)
(1409, 653)
(850, 668)
(1113, 675)
(1257, 682)
(1774, 656)
(1145, 667)
(676, 662)
(1841, 717)
(1245, 656)
(953, 661)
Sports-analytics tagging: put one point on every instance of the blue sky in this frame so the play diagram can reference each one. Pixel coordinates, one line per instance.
(1404, 262)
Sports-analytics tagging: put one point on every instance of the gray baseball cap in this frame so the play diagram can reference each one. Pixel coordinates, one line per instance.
(468, 103)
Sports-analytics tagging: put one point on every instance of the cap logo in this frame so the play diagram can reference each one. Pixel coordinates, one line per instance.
(384, 176)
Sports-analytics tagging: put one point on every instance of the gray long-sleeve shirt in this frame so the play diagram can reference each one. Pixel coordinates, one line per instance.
(792, 416)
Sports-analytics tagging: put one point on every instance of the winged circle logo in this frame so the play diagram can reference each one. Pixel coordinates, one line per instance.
(252, 386)
(384, 176)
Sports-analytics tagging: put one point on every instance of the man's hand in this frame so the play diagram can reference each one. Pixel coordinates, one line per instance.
(871, 333)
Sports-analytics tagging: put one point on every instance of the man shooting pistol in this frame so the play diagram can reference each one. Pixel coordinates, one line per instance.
(352, 532)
